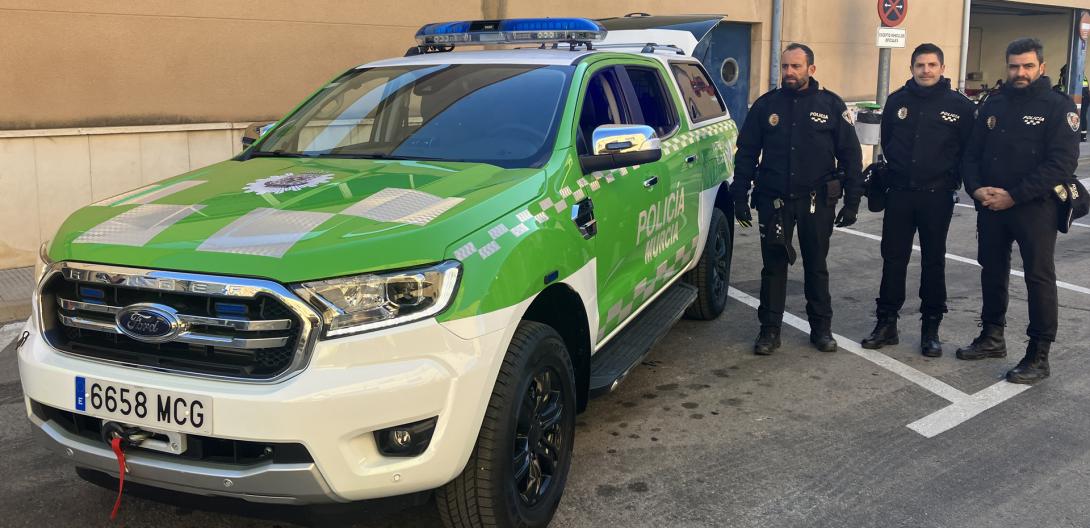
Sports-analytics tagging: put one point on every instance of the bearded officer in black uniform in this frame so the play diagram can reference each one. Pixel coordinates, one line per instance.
(803, 136)
(1025, 142)
(925, 127)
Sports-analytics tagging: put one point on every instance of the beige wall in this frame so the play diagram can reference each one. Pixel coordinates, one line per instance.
(46, 178)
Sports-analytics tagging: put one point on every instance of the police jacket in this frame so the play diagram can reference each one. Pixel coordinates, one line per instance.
(800, 137)
(1025, 141)
(924, 133)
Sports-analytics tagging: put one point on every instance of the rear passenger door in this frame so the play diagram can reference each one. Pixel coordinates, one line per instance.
(703, 142)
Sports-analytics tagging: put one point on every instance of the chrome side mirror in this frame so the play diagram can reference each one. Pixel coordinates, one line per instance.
(616, 139)
(617, 146)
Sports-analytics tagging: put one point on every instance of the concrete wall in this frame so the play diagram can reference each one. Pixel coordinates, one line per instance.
(48, 174)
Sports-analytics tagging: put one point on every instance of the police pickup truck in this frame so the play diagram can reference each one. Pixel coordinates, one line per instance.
(413, 282)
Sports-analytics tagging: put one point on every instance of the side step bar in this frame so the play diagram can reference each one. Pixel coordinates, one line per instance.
(628, 348)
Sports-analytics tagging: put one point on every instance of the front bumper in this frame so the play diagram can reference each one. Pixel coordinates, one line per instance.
(352, 387)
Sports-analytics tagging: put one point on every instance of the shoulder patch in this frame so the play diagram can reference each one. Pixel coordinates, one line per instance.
(847, 115)
(1073, 121)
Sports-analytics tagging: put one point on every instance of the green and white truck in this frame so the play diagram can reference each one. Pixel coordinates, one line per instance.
(413, 282)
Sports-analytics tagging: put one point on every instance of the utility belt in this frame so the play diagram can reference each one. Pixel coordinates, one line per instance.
(773, 232)
(830, 191)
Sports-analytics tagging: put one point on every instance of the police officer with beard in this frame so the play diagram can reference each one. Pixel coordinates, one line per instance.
(802, 136)
(925, 127)
(1025, 142)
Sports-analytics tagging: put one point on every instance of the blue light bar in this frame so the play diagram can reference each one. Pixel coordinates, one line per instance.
(511, 31)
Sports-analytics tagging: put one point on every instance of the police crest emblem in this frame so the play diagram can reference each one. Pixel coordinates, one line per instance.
(287, 182)
(847, 115)
(1073, 121)
(774, 119)
(991, 122)
(902, 113)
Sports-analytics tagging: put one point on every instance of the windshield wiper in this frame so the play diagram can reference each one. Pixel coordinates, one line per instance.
(277, 154)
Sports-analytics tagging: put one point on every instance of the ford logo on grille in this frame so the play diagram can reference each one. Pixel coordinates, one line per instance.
(150, 323)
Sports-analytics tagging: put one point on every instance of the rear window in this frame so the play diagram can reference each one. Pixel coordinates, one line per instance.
(701, 98)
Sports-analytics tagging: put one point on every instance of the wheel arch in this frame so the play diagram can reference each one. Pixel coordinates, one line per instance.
(561, 307)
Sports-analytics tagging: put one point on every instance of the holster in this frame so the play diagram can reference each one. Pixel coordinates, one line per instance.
(773, 232)
(834, 188)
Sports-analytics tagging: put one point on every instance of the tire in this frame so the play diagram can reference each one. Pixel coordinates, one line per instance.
(489, 492)
(711, 276)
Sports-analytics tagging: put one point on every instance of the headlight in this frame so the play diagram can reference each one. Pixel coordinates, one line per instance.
(43, 261)
(361, 303)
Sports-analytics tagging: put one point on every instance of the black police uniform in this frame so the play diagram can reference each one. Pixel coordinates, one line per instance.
(801, 138)
(1025, 141)
(924, 133)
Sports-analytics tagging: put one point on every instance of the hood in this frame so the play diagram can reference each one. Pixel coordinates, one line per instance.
(293, 219)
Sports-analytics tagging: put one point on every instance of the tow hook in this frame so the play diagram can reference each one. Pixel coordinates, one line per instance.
(119, 437)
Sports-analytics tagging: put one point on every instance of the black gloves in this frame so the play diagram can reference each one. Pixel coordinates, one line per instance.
(742, 212)
(846, 216)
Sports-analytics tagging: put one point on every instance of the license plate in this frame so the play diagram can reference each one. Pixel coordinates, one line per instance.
(133, 405)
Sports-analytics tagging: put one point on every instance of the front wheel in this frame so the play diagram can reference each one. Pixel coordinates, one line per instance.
(517, 471)
(711, 276)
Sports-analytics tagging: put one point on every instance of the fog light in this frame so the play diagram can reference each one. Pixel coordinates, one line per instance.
(406, 440)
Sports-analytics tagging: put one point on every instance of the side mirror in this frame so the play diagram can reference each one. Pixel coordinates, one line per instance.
(254, 132)
(617, 146)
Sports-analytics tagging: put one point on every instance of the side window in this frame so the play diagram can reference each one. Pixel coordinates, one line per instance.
(655, 103)
(602, 105)
(700, 95)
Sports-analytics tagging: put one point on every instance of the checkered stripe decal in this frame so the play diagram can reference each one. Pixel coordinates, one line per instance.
(647, 286)
(538, 213)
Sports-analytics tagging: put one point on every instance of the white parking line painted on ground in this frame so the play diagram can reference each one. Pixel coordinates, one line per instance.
(962, 406)
(1080, 224)
(966, 260)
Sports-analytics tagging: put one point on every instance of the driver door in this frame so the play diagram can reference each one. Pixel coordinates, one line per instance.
(626, 203)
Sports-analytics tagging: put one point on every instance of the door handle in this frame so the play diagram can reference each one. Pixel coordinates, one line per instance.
(650, 182)
(582, 214)
(690, 159)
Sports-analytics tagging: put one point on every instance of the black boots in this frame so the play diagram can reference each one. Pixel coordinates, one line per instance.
(1033, 367)
(989, 344)
(821, 336)
(930, 345)
(885, 333)
(767, 341)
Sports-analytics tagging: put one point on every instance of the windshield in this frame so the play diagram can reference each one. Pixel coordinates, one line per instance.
(500, 114)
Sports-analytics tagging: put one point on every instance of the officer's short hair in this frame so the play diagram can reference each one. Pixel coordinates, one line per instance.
(926, 48)
(805, 49)
(1026, 45)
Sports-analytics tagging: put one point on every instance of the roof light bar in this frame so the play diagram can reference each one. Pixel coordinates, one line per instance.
(510, 31)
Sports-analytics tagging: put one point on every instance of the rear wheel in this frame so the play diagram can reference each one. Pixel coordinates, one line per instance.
(517, 471)
(711, 276)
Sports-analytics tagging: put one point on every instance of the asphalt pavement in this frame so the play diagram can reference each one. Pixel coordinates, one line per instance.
(704, 433)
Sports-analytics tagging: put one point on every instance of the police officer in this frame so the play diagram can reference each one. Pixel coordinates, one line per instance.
(925, 127)
(1025, 141)
(801, 134)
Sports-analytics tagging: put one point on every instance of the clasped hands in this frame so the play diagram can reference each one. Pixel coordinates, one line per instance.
(994, 198)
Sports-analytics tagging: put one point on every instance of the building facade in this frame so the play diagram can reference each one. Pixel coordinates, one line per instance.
(107, 95)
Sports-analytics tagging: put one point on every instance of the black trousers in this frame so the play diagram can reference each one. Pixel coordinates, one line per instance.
(1033, 226)
(814, 230)
(909, 212)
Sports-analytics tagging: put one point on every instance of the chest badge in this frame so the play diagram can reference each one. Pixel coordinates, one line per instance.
(1033, 120)
(819, 117)
(949, 117)
(1073, 121)
(991, 122)
(774, 119)
(902, 113)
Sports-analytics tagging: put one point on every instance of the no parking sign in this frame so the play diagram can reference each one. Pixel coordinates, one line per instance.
(892, 12)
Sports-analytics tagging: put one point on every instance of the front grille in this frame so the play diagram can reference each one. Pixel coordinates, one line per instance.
(240, 333)
(203, 448)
